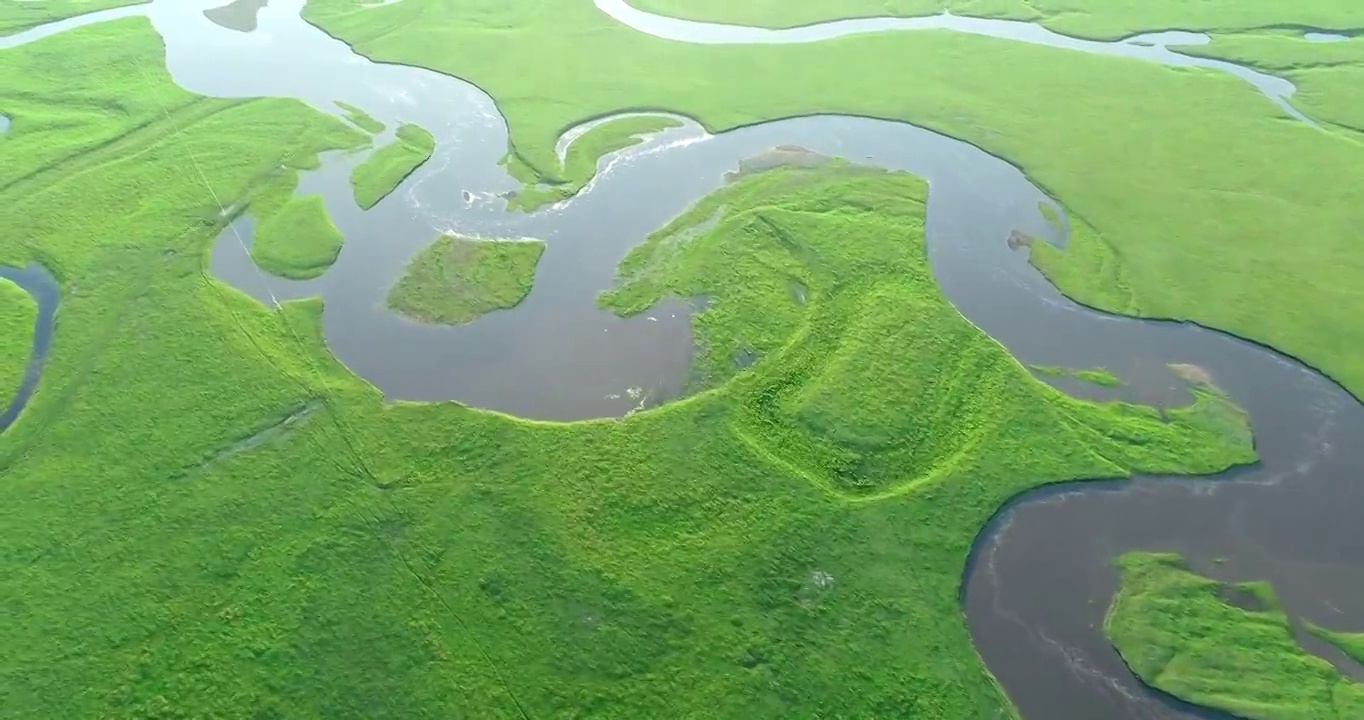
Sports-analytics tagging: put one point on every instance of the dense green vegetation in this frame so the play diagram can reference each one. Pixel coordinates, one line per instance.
(1097, 376)
(297, 240)
(1111, 19)
(382, 172)
(1180, 207)
(19, 15)
(580, 162)
(1328, 75)
(458, 280)
(1223, 646)
(223, 521)
(18, 311)
(360, 118)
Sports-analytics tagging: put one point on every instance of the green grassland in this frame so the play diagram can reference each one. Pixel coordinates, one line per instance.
(207, 515)
(1328, 75)
(18, 311)
(1111, 19)
(1228, 647)
(19, 15)
(458, 280)
(580, 162)
(360, 118)
(297, 240)
(1183, 186)
(382, 172)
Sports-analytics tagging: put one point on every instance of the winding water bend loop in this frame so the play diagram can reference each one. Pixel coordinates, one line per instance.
(1033, 595)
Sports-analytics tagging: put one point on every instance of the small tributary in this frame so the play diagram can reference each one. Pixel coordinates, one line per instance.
(1039, 580)
(37, 282)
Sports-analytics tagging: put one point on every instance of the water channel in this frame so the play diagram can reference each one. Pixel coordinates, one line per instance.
(1036, 590)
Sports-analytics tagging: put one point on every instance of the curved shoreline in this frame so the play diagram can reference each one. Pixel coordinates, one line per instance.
(39, 283)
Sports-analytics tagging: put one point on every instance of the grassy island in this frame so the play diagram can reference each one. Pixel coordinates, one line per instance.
(382, 172)
(298, 240)
(18, 311)
(458, 280)
(1229, 647)
(360, 118)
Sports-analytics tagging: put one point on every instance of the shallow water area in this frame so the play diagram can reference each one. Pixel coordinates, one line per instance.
(1040, 579)
(39, 283)
(1324, 37)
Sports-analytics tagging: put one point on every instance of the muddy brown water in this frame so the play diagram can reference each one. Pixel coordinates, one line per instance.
(1040, 578)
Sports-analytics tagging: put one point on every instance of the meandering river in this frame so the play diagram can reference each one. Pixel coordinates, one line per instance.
(1040, 580)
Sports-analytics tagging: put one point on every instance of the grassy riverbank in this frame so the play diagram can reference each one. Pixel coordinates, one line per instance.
(19, 15)
(458, 280)
(297, 240)
(225, 521)
(18, 311)
(580, 161)
(1082, 18)
(1156, 234)
(1095, 376)
(1227, 647)
(1327, 75)
(382, 172)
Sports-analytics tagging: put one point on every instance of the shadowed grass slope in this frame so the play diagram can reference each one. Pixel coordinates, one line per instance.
(382, 172)
(19, 15)
(1183, 186)
(580, 161)
(18, 312)
(1227, 647)
(458, 280)
(175, 544)
(297, 240)
(1084, 18)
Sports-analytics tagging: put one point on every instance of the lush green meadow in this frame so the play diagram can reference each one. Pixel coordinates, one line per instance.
(1191, 196)
(297, 240)
(1328, 75)
(580, 162)
(1228, 647)
(207, 515)
(382, 172)
(19, 15)
(18, 312)
(458, 280)
(1110, 19)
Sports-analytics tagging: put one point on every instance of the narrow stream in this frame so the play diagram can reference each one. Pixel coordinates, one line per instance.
(1035, 592)
(38, 282)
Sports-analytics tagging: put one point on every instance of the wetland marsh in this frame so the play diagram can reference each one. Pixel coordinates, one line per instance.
(767, 514)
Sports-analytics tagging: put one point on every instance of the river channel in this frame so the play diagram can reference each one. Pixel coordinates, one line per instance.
(1040, 578)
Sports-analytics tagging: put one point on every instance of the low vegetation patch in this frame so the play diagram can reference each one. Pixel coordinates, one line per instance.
(580, 162)
(360, 118)
(297, 240)
(458, 280)
(1096, 376)
(1226, 647)
(381, 173)
(18, 312)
